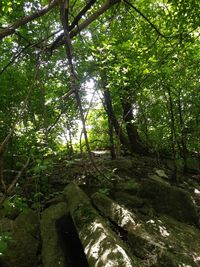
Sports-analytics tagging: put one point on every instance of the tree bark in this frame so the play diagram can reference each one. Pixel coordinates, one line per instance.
(173, 132)
(183, 148)
(111, 115)
(135, 141)
(111, 137)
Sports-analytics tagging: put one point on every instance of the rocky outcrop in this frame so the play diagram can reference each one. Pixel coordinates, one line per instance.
(141, 223)
(169, 200)
(102, 246)
(141, 242)
(158, 241)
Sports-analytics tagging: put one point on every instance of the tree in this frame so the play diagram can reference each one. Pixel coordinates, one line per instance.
(150, 44)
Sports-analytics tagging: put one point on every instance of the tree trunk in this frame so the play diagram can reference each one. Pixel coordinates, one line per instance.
(183, 148)
(173, 132)
(111, 115)
(112, 145)
(136, 144)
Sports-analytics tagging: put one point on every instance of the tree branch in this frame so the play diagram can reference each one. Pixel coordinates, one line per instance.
(6, 140)
(23, 21)
(73, 32)
(81, 14)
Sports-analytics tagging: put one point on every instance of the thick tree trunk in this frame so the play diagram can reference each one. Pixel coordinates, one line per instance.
(111, 115)
(136, 144)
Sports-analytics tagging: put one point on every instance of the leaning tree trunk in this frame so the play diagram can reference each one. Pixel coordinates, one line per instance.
(111, 115)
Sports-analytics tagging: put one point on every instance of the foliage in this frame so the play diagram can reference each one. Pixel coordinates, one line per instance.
(104, 191)
(4, 239)
(15, 203)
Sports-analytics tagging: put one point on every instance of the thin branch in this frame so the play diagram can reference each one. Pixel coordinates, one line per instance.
(2, 175)
(23, 21)
(5, 142)
(10, 188)
(144, 17)
(17, 55)
(74, 22)
(64, 97)
(149, 21)
(81, 14)
(29, 45)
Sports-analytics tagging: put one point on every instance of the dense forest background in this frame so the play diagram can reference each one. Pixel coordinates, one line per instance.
(82, 78)
(128, 72)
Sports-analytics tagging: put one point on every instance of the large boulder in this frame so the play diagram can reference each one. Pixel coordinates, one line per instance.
(52, 253)
(23, 248)
(169, 200)
(102, 246)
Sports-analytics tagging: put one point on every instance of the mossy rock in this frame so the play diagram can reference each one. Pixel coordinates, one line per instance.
(130, 201)
(6, 225)
(169, 200)
(174, 260)
(22, 249)
(102, 246)
(28, 221)
(130, 187)
(121, 164)
(52, 253)
(141, 242)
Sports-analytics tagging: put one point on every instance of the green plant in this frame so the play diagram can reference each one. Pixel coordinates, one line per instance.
(104, 191)
(4, 239)
(14, 203)
(41, 166)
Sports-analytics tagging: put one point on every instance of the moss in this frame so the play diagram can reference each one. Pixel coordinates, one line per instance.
(83, 215)
(23, 248)
(100, 243)
(169, 200)
(52, 254)
(129, 186)
(28, 221)
(174, 260)
(128, 200)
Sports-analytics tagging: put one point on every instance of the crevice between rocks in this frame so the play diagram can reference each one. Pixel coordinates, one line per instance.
(70, 242)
